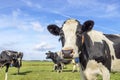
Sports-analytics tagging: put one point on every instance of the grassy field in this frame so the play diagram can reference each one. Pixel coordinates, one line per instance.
(36, 70)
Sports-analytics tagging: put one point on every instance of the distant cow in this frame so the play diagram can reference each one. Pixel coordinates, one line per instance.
(59, 62)
(10, 58)
(98, 53)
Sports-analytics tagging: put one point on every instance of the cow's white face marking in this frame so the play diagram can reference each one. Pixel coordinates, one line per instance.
(69, 29)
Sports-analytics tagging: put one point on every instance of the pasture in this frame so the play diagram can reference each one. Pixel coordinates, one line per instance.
(37, 70)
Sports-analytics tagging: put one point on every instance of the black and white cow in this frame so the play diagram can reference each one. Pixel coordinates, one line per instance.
(98, 53)
(59, 62)
(10, 58)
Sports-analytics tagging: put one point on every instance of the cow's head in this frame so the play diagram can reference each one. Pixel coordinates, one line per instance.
(50, 55)
(17, 61)
(71, 35)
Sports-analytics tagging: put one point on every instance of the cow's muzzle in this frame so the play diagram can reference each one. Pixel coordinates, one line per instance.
(67, 54)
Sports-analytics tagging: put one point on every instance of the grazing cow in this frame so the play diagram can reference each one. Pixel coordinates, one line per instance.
(10, 58)
(98, 53)
(59, 62)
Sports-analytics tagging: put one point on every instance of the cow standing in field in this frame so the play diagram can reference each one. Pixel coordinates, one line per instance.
(59, 62)
(99, 53)
(10, 58)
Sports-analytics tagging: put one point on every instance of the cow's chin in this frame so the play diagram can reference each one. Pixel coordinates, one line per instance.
(68, 56)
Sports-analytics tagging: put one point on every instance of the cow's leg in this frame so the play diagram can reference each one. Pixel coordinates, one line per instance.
(54, 67)
(74, 67)
(78, 67)
(93, 69)
(6, 71)
(89, 74)
(61, 65)
(105, 72)
(18, 70)
(6, 76)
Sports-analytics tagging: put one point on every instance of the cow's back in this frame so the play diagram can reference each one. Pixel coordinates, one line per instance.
(116, 44)
(5, 56)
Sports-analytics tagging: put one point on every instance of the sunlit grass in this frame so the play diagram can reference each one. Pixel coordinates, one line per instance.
(36, 70)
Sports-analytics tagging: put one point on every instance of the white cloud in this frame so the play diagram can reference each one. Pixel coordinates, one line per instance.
(28, 3)
(15, 20)
(16, 13)
(111, 8)
(87, 3)
(43, 46)
(10, 45)
(93, 8)
(31, 4)
(37, 26)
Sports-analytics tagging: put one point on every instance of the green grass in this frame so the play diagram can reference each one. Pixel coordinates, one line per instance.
(36, 70)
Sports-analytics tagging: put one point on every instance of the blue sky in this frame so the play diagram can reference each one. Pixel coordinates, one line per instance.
(23, 23)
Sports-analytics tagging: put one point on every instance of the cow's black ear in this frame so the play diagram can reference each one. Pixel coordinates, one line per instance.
(87, 26)
(53, 29)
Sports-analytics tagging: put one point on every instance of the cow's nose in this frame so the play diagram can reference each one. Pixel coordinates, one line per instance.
(67, 53)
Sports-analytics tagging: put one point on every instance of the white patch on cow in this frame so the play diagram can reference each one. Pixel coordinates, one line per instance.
(115, 65)
(93, 69)
(117, 35)
(69, 29)
(98, 37)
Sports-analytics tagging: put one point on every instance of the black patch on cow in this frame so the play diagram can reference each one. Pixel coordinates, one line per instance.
(79, 36)
(53, 29)
(62, 37)
(95, 51)
(88, 25)
(116, 40)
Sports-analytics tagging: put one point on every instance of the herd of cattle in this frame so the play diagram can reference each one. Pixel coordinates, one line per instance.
(91, 52)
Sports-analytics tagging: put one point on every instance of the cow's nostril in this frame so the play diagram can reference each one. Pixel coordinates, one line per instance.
(67, 51)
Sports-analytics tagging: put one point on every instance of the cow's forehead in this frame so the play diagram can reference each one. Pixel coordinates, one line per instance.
(70, 25)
